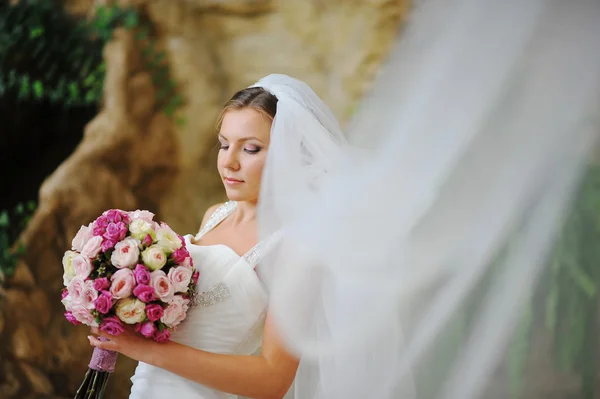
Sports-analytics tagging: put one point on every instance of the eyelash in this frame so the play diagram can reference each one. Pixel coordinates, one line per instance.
(252, 152)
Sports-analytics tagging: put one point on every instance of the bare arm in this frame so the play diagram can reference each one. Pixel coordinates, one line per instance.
(267, 376)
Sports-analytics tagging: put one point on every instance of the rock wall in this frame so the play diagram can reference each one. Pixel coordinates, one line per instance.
(133, 156)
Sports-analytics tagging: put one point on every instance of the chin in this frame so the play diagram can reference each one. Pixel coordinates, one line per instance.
(235, 195)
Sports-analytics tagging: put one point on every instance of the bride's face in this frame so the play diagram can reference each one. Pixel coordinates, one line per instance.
(244, 138)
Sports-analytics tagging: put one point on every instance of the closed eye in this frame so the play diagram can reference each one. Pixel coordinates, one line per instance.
(253, 150)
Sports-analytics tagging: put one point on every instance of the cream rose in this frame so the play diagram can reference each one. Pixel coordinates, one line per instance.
(131, 310)
(167, 238)
(69, 270)
(154, 257)
(140, 228)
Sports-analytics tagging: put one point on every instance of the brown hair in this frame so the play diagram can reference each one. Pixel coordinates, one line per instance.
(256, 98)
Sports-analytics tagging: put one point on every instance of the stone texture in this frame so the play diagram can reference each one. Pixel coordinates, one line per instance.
(22, 277)
(28, 343)
(37, 381)
(10, 384)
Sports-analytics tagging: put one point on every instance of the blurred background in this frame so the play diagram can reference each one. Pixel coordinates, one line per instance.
(112, 104)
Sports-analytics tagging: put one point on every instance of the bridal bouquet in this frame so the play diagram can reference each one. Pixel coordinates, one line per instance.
(126, 269)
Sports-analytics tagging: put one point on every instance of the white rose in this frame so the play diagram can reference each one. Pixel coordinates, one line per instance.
(67, 301)
(131, 310)
(84, 234)
(154, 257)
(180, 278)
(143, 215)
(69, 270)
(126, 253)
(140, 228)
(167, 238)
(82, 266)
(92, 247)
(88, 295)
(75, 289)
(176, 311)
(83, 315)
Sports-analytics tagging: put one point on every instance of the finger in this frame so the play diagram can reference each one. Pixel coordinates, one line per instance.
(95, 342)
(101, 333)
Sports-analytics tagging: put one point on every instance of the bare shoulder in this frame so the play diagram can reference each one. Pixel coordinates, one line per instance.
(209, 213)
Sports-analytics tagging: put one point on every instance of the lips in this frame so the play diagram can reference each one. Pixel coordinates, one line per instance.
(231, 180)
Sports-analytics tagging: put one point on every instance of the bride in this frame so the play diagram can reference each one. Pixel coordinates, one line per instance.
(210, 353)
(476, 131)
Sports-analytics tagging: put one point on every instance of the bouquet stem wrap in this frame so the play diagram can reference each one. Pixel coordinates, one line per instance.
(103, 360)
(96, 378)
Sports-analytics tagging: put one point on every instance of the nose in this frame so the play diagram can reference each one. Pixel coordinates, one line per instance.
(232, 161)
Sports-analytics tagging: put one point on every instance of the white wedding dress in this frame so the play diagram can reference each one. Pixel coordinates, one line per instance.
(228, 315)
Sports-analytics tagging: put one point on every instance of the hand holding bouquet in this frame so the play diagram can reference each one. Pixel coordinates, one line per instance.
(126, 269)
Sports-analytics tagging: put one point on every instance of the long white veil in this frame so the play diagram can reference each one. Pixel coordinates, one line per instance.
(474, 137)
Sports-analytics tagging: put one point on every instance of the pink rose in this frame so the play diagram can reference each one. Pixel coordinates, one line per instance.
(195, 277)
(154, 311)
(147, 240)
(123, 282)
(71, 319)
(82, 266)
(180, 278)
(88, 295)
(180, 255)
(112, 325)
(64, 293)
(116, 216)
(107, 244)
(101, 222)
(75, 289)
(188, 262)
(83, 315)
(142, 275)
(176, 311)
(144, 215)
(92, 247)
(84, 234)
(148, 329)
(162, 336)
(101, 284)
(162, 285)
(104, 302)
(126, 254)
(144, 293)
(116, 231)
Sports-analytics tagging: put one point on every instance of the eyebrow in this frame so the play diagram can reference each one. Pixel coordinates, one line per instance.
(242, 139)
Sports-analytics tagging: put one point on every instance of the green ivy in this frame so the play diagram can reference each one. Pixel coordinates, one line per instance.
(12, 223)
(46, 54)
(570, 301)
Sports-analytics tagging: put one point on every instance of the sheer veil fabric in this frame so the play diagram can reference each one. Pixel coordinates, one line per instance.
(475, 132)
